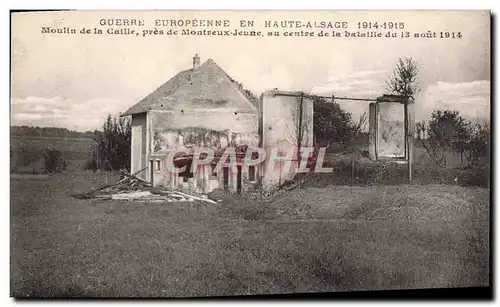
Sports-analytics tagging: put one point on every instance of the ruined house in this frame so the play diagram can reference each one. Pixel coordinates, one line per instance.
(204, 107)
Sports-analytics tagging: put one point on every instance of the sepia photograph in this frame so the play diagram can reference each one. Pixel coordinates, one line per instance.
(198, 154)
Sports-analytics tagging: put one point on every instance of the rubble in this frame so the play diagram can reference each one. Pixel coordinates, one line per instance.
(132, 188)
(131, 195)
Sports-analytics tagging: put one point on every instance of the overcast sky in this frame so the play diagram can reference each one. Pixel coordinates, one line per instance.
(74, 81)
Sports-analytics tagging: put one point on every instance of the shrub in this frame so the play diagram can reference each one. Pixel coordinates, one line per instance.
(13, 165)
(26, 155)
(448, 131)
(365, 153)
(478, 145)
(53, 161)
(112, 150)
(92, 163)
(333, 125)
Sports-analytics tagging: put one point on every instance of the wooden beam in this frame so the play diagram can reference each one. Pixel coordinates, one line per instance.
(410, 137)
(372, 127)
(385, 98)
(300, 135)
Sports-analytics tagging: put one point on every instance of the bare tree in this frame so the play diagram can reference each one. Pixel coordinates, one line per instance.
(299, 132)
(404, 78)
(361, 124)
(404, 82)
(421, 130)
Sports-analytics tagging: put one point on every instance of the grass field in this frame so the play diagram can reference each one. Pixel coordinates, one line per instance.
(331, 238)
(26, 152)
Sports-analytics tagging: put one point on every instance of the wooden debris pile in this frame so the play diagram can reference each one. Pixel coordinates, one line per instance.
(293, 184)
(132, 188)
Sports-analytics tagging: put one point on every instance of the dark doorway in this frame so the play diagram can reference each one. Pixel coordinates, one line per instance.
(238, 180)
(186, 174)
(226, 177)
(151, 172)
(251, 173)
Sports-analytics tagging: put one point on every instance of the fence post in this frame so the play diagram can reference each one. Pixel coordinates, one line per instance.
(410, 139)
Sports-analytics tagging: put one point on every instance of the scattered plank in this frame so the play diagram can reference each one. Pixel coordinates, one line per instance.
(102, 197)
(131, 187)
(92, 193)
(128, 176)
(131, 195)
(132, 176)
(295, 184)
(195, 197)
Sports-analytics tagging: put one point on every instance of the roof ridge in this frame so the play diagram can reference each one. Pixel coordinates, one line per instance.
(180, 83)
(209, 61)
(239, 86)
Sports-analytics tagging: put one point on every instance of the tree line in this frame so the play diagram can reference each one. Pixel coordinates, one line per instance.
(447, 131)
(35, 131)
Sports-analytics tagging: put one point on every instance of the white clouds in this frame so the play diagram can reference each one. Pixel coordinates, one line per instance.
(367, 82)
(63, 75)
(54, 101)
(127, 68)
(28, 116)
(64, 112)
(471, 99)
(362, 84)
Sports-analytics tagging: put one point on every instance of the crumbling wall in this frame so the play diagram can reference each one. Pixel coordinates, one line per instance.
(139, 144)
(202, 128)
(280, 129)
(217, 129)
(372, 125)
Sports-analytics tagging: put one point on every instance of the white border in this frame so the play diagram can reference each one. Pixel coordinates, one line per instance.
(200, 4)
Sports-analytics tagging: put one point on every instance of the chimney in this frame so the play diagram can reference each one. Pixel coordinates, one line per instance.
(196, 62)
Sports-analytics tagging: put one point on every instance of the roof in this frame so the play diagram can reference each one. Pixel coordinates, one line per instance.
(208, 86)
(391, 98)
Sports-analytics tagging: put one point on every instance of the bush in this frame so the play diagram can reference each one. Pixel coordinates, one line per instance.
(478, 146)
(25, 155)
(448, 131)
(53, 161)
(92, 163)
(112, 150)
(388, 173)
(333, 125)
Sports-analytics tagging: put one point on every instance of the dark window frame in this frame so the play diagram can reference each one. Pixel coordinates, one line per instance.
(251, 173)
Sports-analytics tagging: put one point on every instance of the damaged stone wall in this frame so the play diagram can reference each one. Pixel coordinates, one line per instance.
(280, 127)
(388, 138)
(138, 159)
(202, 128)
(188, 129)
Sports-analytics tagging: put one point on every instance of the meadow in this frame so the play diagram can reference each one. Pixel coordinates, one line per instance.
(335, 238)
(25, 152)
(349, 230)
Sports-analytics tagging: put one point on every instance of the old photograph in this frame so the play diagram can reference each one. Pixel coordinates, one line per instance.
(169, 154)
